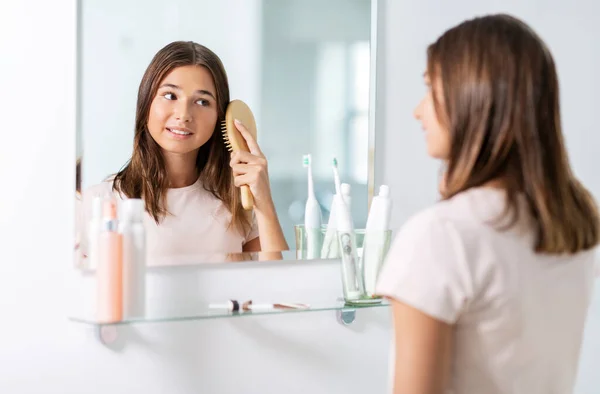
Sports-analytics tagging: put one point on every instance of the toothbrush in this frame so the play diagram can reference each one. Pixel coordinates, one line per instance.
(330, 249)
(336, 177)
(352, 282)
(249, 306)
(312, 216)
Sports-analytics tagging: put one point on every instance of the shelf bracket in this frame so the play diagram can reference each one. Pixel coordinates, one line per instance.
(107, 334)
(346, 316)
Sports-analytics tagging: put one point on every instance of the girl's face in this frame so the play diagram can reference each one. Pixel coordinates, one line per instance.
(183, 114)
(436, 135)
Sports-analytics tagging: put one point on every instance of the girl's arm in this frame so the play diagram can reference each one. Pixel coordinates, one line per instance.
(423, 349)
(250, 168)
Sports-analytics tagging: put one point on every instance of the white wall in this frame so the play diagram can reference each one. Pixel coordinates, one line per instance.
(569, 28)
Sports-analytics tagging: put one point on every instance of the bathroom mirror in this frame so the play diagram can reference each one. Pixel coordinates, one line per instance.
(304, 67)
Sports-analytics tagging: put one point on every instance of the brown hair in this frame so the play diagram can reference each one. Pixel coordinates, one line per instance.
(501, 106)
(145, 176)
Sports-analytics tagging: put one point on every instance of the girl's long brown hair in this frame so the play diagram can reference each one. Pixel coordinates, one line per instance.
(145, 176)
(501, 106)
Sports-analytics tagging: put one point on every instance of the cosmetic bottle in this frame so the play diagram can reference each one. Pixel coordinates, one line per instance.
(93, 233)
(131, 227)
(109, 274)
(377, 238)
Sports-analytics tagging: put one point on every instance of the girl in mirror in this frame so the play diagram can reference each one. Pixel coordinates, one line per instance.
(182, 169)
(490, 287)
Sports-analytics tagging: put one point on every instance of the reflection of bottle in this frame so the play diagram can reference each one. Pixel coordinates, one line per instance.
(93, 234)
(131, 226)
(109, 275)
(351, 277)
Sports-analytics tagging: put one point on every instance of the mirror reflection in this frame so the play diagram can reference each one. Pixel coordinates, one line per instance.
(221, 129)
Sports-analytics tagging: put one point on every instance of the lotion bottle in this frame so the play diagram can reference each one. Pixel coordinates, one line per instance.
(109, 274)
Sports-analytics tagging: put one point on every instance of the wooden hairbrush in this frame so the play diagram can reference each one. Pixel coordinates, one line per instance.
(234, 140)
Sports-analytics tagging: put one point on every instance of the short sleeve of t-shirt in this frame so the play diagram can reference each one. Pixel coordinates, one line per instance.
(426, 268)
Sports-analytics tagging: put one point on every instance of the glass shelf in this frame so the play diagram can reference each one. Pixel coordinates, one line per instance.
(205, 313)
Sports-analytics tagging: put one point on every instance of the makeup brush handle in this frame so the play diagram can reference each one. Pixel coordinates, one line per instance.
(247, 198)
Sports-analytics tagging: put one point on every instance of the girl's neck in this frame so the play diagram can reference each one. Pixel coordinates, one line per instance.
(181, 169)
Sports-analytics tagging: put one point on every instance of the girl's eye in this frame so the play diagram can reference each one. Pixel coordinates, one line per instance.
(169, 96)
(203, 102)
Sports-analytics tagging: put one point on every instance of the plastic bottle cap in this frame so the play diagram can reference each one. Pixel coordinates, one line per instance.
(384, 191)
(110, 210)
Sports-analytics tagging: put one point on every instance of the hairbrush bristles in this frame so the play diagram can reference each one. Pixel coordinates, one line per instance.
(225, 137)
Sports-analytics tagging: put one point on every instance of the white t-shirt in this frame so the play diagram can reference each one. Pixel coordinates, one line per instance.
(195, 230)
(518, 316)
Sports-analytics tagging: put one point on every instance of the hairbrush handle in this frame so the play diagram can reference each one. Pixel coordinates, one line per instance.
(247, 198)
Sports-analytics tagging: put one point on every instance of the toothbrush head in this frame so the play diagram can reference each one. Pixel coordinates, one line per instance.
(306, 159)
(336, 176)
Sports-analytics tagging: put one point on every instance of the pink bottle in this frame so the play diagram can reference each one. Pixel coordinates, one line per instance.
(109, 274)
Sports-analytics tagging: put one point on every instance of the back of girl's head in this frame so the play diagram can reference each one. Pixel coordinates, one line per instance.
(500, 95)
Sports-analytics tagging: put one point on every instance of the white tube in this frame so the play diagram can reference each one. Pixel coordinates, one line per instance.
(376, 238)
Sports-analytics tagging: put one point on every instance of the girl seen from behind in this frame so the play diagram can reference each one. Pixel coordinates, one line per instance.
(490, 286)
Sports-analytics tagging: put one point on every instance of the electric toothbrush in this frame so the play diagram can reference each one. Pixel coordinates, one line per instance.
(336, 177)
(352, 282)
(330, 244)
(312, 216)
